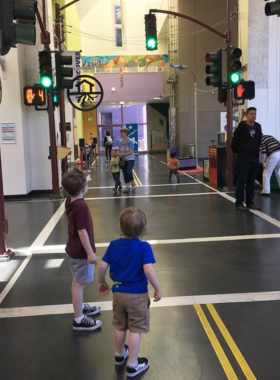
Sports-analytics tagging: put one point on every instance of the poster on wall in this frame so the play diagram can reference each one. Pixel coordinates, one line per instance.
(8, 133)
(133, 135)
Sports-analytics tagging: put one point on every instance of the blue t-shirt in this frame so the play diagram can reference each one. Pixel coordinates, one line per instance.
(251, 129)
(125, 147)
(126, 258)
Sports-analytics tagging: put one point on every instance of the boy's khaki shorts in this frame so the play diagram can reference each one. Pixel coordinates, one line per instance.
(131, 312)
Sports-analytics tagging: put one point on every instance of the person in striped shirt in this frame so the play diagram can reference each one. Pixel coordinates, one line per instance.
(270, 148)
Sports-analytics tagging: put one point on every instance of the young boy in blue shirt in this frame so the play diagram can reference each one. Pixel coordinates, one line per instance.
(131, 266)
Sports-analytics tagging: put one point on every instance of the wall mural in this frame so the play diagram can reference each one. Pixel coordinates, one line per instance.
(126, 63)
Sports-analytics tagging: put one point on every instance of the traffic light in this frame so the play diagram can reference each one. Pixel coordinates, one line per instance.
(45, 65)
(216, 80)
(234, 66)
(63, 72)
(245, 90)
(215, 69)
(55, 98)
(34, 96)
(271, 9)
(151, 31)
(23, 30)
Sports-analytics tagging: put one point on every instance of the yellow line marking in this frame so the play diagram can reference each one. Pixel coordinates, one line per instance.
(234, 349)
(215, 343)
(134, 177)
(138, 182)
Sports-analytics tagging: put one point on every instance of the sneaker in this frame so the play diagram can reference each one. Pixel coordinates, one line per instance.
(127, 190)
(142, 365)
(241, 208)
(87, 323)
(266, 194)
(119, 188)
(133, 189)
(178, 181)
(114, 190)
(169, 181)
(253, 207)
(90, 310)
(120, 359)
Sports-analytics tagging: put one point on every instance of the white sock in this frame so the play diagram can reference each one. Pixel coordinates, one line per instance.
(79, 319)
(134, 365)
(120, 354)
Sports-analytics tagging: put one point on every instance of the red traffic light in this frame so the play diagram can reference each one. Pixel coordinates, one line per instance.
(150, 18)
(44, 55)
(34, 96)
(245, 90)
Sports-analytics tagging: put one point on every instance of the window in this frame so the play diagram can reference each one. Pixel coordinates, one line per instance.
(118, 16)
(118, 25)
(118, 37)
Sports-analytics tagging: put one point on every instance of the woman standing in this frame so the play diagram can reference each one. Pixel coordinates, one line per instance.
(108, 145)
(126, 148)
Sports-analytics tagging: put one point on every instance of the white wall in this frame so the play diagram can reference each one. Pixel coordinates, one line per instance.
(25, 165)
(99, 22)
(260, 43)
(12, 155)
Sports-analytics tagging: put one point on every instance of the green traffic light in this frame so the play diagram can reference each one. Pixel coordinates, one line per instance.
(235, 78)
(46, 82)
(151, 44)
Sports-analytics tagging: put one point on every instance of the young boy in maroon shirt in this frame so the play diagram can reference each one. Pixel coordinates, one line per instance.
(80, 247)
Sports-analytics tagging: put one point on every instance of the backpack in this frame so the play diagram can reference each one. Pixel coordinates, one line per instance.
(109, 140)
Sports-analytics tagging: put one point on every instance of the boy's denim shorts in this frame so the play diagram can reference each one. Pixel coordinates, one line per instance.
(82, 271)
(131, 312)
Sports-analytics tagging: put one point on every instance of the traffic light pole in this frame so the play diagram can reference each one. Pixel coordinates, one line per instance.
(45, 40)
(5, 254)
(227, 37)
(58, 10)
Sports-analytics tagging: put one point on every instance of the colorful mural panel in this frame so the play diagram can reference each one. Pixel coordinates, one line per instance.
(126, 63)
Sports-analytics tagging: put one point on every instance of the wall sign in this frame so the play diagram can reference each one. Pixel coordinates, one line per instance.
(86, 90)
(8, 133)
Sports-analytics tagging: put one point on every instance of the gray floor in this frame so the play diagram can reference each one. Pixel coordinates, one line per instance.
(206, 253)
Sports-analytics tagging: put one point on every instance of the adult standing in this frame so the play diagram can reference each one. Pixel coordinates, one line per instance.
(108, 145)
(126, 150)
(246, 144)
(270, 148)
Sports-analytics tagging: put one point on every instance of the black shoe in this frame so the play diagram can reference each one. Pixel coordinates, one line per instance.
(90, 310)
(142, 365)
(87, 323)
(265, 194)
(169, 181)
(114, 190)
(253, 207)
(119, 188)
(241, 208)
(120, 359)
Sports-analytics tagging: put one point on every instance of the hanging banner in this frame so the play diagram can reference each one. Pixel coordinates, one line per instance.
(133, 135)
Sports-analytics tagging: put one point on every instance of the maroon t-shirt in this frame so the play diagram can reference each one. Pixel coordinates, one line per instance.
(79, 218)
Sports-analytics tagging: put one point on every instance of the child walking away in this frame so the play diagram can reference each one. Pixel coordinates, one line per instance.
(173, 166)
(80, 248)
(131, 264)
(115, 166)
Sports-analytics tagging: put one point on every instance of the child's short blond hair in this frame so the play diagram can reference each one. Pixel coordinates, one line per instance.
(133, 222)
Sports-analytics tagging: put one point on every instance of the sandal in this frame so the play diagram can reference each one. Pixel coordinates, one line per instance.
(133, 189)
(127, 190)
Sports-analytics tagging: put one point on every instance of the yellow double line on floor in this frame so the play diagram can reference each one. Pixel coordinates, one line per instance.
(136, 179)
(231, 375)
